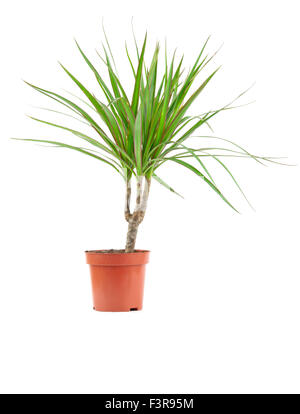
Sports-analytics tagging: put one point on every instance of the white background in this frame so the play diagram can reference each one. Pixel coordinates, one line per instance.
(221, 310)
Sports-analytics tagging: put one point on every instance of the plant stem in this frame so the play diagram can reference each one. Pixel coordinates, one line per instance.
(135, 219)
(133, 226)
(127, 200)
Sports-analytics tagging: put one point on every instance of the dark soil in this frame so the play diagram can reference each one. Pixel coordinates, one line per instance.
(112, 251)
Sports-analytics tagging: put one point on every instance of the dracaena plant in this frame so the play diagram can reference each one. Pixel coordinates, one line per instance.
(135, 135)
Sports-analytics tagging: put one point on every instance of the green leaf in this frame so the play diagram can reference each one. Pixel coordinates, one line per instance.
(138, 139)
(92, 141)
(137, 85)
(129, 59)
(231, 142)
(234, 180)
(167, 96)
(62, 113)
(103, 111)
(194, 170)
(100, 81)
(61, 144)
(77, 110)
(192, 152)
(163, 183)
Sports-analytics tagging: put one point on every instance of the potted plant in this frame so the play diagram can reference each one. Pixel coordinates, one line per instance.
(134, 135)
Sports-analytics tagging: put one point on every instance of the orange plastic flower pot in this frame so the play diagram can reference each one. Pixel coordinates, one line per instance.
(117, 279)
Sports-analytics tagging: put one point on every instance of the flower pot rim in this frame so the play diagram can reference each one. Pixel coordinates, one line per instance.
(110, 258)
(115, 252)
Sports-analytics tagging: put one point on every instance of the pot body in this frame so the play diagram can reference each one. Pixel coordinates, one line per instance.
(117, 280)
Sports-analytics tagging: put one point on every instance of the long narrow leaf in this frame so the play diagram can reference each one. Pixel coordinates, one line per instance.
(197, 172)
(136, 91)
(164, 184)
(61, 144)
(138, 139)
